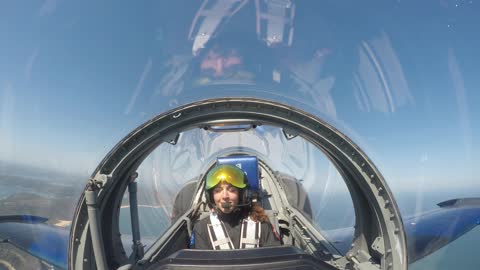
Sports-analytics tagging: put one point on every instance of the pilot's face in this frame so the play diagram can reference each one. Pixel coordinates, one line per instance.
(225, 193)
(219, 65)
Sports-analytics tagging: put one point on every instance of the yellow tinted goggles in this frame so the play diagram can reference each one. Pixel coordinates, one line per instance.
(225, 173)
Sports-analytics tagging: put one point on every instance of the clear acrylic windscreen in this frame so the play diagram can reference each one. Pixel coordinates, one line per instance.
(399, 78)
(170, 167)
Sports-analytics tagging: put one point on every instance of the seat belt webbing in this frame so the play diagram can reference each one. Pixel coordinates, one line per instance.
(218, 234)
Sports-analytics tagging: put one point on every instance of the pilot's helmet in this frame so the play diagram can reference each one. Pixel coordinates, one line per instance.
(228, 174)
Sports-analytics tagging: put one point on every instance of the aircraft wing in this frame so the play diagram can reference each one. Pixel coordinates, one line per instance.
(427, 231)
(432, 230)
(27, 242)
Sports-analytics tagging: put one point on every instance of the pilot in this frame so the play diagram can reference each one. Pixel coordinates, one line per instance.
(234, 221)
(228, 60)
(218, 63)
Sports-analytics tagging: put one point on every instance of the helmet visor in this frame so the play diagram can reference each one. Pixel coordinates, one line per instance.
(225, 173)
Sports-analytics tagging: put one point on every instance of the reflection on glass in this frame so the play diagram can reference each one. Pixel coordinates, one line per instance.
(402, 84)
(323, 196)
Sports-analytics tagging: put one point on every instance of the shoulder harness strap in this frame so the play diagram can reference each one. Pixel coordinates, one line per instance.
(218, 234)
(250, 234)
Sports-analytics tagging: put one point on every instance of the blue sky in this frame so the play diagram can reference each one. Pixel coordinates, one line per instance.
(75, 78)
